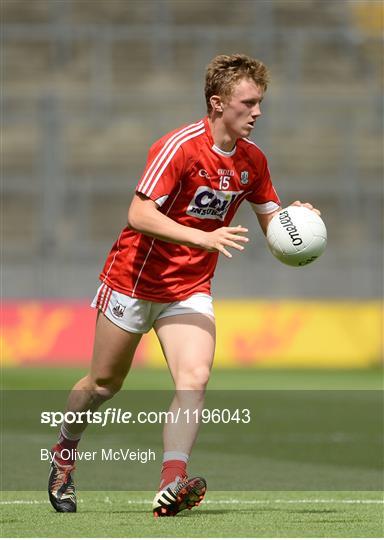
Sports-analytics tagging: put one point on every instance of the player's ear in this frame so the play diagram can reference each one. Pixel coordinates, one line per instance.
(216, 104)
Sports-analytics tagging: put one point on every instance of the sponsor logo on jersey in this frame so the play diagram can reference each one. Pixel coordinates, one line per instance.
(203, 173)
(208, 203)
(244, 177)
(225, 172)
(118, 310)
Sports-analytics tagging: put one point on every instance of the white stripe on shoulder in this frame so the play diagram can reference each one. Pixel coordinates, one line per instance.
(251, 142)
(157, 161)
(173, 151)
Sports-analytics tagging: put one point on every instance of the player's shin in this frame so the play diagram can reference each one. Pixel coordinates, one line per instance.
(179, 433)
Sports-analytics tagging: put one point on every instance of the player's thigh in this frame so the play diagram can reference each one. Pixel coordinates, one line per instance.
(113, 352)
(188, 343)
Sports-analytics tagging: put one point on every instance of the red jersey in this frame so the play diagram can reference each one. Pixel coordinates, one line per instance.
(196, 184)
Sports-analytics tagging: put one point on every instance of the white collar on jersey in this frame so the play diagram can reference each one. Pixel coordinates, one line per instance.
(223, 152)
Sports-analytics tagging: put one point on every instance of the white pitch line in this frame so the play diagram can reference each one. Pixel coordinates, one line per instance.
(299, 501)
(228, 501)
(33, 501)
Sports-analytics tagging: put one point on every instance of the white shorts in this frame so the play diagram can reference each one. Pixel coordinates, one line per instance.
(139, 316)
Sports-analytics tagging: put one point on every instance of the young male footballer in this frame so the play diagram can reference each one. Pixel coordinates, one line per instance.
(158, 273)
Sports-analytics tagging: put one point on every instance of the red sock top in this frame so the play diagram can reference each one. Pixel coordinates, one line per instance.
(171, 470)
(65, 451)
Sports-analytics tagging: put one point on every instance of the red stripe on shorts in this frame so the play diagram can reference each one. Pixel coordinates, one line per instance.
(100, 296)
(107, 298)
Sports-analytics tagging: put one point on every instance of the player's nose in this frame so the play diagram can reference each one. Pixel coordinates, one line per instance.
(256, 110)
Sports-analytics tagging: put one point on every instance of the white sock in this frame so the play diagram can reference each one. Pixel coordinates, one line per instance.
(64, 433)
(175, 455)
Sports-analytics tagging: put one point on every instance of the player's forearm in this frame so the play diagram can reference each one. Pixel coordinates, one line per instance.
(146, 219)
(264, 220)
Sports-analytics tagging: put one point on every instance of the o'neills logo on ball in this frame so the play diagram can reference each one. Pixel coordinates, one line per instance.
(291, 229)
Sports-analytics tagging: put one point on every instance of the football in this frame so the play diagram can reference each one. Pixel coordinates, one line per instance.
(296, 236)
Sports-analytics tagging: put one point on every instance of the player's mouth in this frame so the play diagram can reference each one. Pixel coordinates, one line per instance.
(251, 124)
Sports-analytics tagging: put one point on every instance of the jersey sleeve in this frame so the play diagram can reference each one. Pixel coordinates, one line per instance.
(263, 197)
(163, 171)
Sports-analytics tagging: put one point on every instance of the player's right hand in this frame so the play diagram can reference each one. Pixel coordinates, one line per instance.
(221, 239)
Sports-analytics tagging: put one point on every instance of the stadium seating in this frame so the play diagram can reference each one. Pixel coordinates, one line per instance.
(90, 85)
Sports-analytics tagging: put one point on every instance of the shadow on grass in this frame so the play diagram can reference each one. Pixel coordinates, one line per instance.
(314, 511)
(182, 515)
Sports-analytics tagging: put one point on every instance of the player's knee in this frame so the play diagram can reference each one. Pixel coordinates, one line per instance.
(105, 389)
(196, 379)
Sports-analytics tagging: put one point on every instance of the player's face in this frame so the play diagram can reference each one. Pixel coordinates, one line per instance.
(242, 108)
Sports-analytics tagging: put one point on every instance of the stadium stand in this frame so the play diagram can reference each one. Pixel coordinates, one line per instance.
(88, 86)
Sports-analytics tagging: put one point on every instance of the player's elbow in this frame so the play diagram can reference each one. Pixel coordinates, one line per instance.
(140, 219)
(133, 220)
(141, 213)
(136, 216)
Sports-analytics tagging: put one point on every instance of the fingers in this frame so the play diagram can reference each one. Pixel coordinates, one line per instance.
(230, 243)
(231, 239)
(233, 233)
(224, 251)
(236, 238)
(236, 230)
(311, 207)
(228, 237)
(307, 205)
(221, 246)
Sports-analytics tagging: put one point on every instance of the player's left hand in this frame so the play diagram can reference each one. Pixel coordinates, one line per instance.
(307, 205)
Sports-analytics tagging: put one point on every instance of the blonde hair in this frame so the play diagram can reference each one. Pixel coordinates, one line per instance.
(224, 71)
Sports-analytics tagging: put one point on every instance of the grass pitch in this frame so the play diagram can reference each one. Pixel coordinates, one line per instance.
(224, 513)
(61, 378)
